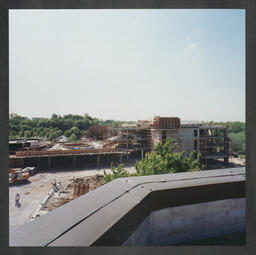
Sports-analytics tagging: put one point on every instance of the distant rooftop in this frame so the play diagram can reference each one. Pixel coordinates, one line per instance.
(22, 140)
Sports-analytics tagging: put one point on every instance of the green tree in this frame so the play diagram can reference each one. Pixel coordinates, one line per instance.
(42, 123)
(54, 134)
(71, 131)
(15, 119)
(27, 133)
(238, 143)
(76, 117)
(67, 124)
(73, 138)
(67, 116)
(117, 172)
(21, 133)
(79, 124)
(28, 122)
(87, 116)
(24, 127)
(236, 127)
(162, 161)
(165, 160)
(45, 132)
(35, 132)
(54, 116)
(13, 133)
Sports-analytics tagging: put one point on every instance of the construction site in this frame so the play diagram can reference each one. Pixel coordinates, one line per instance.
(79, 167)
(124, 144)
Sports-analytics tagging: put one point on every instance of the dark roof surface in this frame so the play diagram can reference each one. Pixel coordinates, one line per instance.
(84, 220)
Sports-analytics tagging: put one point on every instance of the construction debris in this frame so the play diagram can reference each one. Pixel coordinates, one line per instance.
(71, 190)
(57, 147)
(62, 139)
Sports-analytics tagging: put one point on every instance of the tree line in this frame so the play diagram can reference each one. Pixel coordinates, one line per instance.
(75, 126)
(71, 126)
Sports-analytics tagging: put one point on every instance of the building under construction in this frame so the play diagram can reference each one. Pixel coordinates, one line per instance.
(129, 143)
(211, 141)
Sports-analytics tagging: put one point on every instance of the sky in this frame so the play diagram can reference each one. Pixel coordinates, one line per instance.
(128, 64)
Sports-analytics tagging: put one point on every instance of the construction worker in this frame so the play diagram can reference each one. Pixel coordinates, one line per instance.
(17, 200)
(54, 185)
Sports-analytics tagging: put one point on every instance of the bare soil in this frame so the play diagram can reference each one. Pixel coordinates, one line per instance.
(68, 191)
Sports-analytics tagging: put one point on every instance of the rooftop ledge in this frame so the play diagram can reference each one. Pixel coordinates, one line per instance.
(112, 212)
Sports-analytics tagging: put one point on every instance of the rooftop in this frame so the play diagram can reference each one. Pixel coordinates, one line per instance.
(111, 213)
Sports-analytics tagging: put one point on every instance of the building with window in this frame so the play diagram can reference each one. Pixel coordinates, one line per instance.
(211, 141)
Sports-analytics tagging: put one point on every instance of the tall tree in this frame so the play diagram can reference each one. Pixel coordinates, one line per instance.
(165, 160)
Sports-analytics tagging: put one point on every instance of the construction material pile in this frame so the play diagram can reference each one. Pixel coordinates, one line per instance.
(58, 146)
(72, 189)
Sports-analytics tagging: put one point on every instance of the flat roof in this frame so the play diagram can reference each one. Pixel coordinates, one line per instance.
(22, 141)
(110, 212)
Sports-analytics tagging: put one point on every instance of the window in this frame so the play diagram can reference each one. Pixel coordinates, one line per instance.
(195, 144)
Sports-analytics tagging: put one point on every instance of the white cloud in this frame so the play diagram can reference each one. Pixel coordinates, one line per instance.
(191, 46)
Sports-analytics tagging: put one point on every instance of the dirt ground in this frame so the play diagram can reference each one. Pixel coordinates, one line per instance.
(70, 190)
(236, 162)
(32, 193)
(233, 162)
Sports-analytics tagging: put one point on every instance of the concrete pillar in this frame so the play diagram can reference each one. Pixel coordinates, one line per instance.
(22, 163)
(142, 154)
(226, 160)
(38, 163)
(226, 149)
(74, 161)
(98, 160)
(127, 147)
(49, 163)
